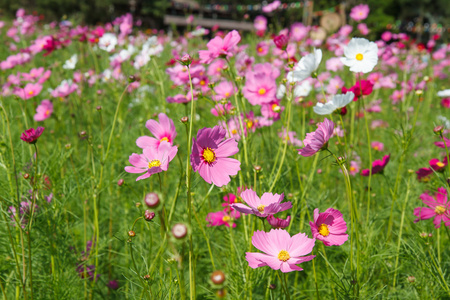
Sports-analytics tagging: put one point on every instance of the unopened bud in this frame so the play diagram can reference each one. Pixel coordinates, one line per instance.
(221, 293)
(257, 168)
(438, 130)
(151, 200)
(26, 175)
(83, 133)
(218, 277)
(272, 286)
(120, 182)
(184, 120)
(186, 60)
(411, 279)
(131, 233)
(99, 108)
(68, 146)
(149, 215)
(179, 231)
(147, 277)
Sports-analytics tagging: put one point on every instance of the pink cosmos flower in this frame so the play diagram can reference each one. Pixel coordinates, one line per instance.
(438, 165)
(445, 102)
(43, 111)
(269, 204)
(438, 207)
(219, 47)
(210, 156)
(317, 140)
(222, 110)
(260, 23)
(334, 64)
(272, 110)
(386, 36)
(224, 217)
(378, 146)
(290, 137)
(259, 88)
(29, 91)
(365, 88)
(152, 161)
(329, 227)
(396, 96)
(278, 223)
(164, 131)
(362, 27)
(377, 166)
(262, 48)
(355, 166)
(64, 89)
(281, 251)
(224, 90)
(31, 135)
(423, 173)
(359, 12)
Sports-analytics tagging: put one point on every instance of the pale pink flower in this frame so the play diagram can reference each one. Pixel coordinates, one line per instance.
(43, 111)
(268, 204)
(359, 12)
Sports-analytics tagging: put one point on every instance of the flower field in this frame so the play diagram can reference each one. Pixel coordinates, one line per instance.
(143, 164)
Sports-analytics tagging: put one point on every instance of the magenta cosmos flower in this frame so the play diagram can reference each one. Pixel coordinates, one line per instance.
(317, 140)
(162, 131)
(43, 111)
(29, 91)
(31, 135)
(210, 156)
(277, 222)
(219, 47)
(438, 207)
(260, 88)
(224, 217)
(152, 161)
(442, 145)
(269, 204)
(329, 227)
(377, 166)
(281, 251)
(359, 12)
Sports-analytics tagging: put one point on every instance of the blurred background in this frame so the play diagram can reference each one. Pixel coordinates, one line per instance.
(420, 18)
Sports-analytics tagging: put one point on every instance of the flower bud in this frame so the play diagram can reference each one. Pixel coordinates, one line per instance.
(411, 279)
(152, 200)
(26, 175)
(221, 293)
(68, 146)
(184, 120)
(179, 230)
(149, 215)
(120, 182)
(438, 130)
(83, 133)
(272, 286)
(257, 168)
(147, 277)
(131, 233)
(217, 277)
(99, 108)
(281, 41)
(186, 60)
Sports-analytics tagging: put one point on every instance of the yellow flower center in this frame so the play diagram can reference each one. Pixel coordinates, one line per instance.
(30, 93)
(208, 155)
(234, 131)
(323, 230)
(249, 124)
(440, 210)
(440, 164)
(154, 163)
(227, 94)
(226, 218)
(260, 208)
(260, 49)
(283, 255)
(352, 169)
(262, 91)
(202, 82)
(47, 112)
(359, 56)
(164, 139)
(376, 148)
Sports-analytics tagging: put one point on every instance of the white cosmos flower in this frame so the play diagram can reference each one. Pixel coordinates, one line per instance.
(444, 93)
(71, 63)
(303, 89)
(338, 101)
(305, 67)
(281, 91)
(107, 42)
(360, 55)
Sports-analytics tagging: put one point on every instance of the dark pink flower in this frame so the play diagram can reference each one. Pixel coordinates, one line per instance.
(364, 86)
(438, 207)
(281, 41)
(277, 222)
(31, 135)
(377, 166)
(441, 144)
(329, 227)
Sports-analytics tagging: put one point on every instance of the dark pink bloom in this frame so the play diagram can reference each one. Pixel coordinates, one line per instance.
(210, 153)
(442, 145)
(438, 207)
(438, 165)
(152, 161)
(281, 41)
(31, 135)
(224, 217)
(329, 227)
(162, 131)
(220, 47)
(364, 86)
(277, 222)
(445, 102)
(269, 204)
(43, 111)
(317, 140)
(422, 173)
(281, 251)
(377, 166)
